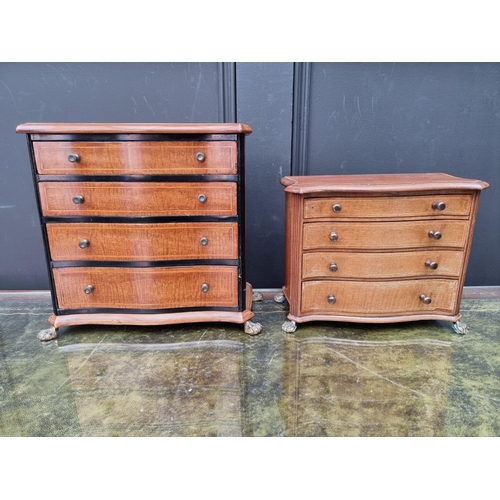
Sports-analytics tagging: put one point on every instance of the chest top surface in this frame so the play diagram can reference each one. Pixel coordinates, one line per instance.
(133, 128)
(383, 183)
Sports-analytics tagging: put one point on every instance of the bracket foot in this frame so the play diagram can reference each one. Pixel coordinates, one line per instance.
(289, 326)
(48, 334)
(252, 328)
(460, 328)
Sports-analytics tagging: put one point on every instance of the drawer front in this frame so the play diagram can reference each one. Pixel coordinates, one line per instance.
(372, 298)
(335, 265)
(138, 198)
(390, 206)
(146, 242)
(384, 235)
(138, 158)
(146, 288)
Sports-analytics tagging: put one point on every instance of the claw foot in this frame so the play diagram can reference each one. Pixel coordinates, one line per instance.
(289, 326)
(257, 297)
(48, 334)
(252, 328)
(460, 328)
(280, 298)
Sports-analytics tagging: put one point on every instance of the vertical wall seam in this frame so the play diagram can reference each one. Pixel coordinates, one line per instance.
(227, 91)
(300, 117)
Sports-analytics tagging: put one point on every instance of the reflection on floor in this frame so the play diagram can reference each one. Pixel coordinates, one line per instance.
(326, 379)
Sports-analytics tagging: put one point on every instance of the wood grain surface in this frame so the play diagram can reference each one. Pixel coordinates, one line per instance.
(136, 158)
(366, 298)
(145, 242)
(138, 198)
(387, 206)
(146, 288)
(381, 265)
(386, 235)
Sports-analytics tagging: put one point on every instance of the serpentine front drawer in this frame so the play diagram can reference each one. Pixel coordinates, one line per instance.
(136, 158)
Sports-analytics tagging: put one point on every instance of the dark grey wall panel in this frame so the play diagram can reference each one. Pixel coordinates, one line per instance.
(88, 92)
(343, 117)
(411, 117)
(264, 97)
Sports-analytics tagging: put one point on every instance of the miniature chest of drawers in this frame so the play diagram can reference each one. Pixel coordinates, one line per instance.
(377, 248)
(143, 223)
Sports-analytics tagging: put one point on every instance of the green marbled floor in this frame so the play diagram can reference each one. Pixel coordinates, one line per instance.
(326, 379)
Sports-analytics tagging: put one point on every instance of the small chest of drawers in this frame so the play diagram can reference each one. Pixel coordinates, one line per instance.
(377, 248)
(143, 223)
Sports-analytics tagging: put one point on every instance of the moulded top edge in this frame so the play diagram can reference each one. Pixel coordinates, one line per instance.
(133, 128)
(359, 183)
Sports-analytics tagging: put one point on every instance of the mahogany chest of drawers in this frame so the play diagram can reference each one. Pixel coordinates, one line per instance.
(377, 248)
(143, 223)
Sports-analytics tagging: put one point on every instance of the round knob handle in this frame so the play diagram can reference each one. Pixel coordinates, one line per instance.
(439, 205)
(204, 241)
(200, 156)
(204, 288)
(331, 299)
(202, 198)
(88, 289)
(334, 236)
(84, 243)
(78, 200)
(432, 265)
(337, 207)
(435, 234)
(73, 158)
(426, 300)
(333, 267)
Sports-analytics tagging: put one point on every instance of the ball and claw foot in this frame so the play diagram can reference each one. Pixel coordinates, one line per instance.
(48, 334)
(257, 297)
(460, 328)
(280, 298)
(252, 328)
(289, 326)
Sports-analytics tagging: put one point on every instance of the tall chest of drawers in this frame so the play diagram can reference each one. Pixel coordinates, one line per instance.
(377, 248)
(143, 223)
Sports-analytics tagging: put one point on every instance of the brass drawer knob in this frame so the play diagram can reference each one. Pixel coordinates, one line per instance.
(431, 265)
(333, 267)
(435, 234)
(202, 198)
(204, 288)
(200, 156)
(426, 300)
(337, 207)
(88, 289)
(78, 200)
(204, 241)
(73, 158)
(84, 243)
(331, 299)
(334, 236)
(439, 205)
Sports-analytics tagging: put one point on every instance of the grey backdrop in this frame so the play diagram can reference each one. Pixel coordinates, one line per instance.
(308, 118)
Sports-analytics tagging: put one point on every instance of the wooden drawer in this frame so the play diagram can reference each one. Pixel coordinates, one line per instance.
(387, 206)
(382, 298)
(138, 198)
(131, 242)
(384, 235)
(135, 157)
(146, 288)
(338, 265)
